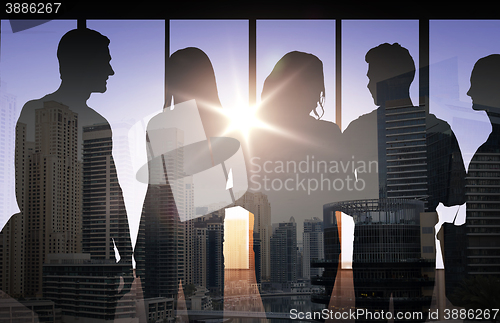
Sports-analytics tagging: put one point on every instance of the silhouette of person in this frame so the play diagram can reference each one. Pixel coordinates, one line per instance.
(189, 76)
(418, 158)
(66, 182)
(295, 89)
(470, 250)
(289, 158)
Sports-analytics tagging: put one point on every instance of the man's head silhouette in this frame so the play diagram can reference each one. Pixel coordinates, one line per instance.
(485, 84)
(84, 61)
(391, 70)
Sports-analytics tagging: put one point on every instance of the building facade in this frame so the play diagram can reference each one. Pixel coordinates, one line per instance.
(258, 204)
(104, 218)
(313, 247)
(160, 248)
(52, 205)
(393, 253)
(284, 252)
(88, 289)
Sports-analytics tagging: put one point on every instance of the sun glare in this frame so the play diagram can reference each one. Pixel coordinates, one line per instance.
(243, 119)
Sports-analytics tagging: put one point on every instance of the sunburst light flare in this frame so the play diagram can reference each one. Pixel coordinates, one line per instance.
(243, 119)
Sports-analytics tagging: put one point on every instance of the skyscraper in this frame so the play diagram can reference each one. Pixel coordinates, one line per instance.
(284, 252)
(473, 249)
(188, 212)
(52, 200)
(7, 145)
(404, 133)
(215, 255)
(393, 252)
(104, 216)
(160, 253)
(13, 235)
(86, 289)
(199, 251)
(313, 248)
(259, 205)
(207, 265)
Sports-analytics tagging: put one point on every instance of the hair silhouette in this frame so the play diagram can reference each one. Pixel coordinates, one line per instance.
(294, 88)
(190, 75)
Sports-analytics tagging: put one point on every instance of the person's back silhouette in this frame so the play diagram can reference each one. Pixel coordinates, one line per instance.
(418, 159)
(291, 157)
(163, 252)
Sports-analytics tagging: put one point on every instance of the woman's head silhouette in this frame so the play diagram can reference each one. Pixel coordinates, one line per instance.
(190, 76)
(294, 88)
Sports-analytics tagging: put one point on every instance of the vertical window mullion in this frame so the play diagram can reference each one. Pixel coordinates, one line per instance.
(252, 57)
(167, 55)
(423, 35)
(338, 73)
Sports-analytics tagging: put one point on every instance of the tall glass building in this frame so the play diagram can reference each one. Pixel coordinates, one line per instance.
(159, 252)
(473, 249)
(391, 255)
(284, 252)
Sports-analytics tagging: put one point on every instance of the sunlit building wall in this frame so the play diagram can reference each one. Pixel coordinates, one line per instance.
(239, 257)
(259, 205)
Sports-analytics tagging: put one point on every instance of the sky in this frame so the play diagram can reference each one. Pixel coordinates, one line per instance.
(29, 70)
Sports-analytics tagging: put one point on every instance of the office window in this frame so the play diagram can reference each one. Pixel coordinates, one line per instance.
(358, 37)
(275, 38)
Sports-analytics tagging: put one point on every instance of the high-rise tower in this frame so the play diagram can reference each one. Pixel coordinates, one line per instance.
(52, 199)
(104, 216)
(284, 252)
(160, 254)
(313, 246)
